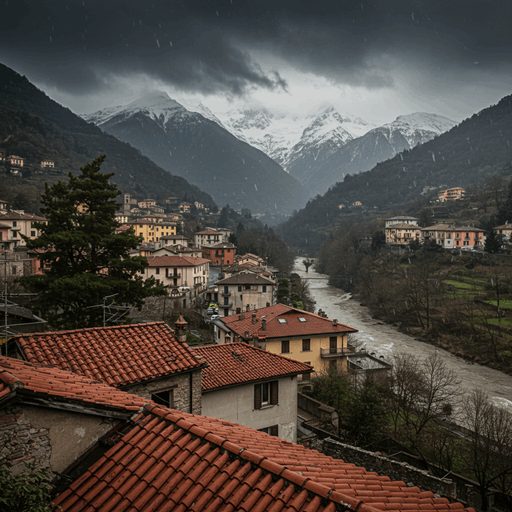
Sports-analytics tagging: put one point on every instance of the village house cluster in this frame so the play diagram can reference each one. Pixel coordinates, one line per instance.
(404, 230)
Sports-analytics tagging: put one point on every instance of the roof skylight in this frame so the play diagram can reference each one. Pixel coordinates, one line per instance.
(282, 321)
(302, 319)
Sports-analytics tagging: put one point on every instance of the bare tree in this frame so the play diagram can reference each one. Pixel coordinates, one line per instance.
(423, 393)
(488, 453)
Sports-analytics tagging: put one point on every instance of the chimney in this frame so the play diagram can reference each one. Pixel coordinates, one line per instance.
(264, 324)
(181, 329)
(241, 317)
(254, 318)
(247, 308)
(246, 335)
(335, 322)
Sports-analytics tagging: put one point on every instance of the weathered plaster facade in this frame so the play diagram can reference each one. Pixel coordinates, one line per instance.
(52, 438)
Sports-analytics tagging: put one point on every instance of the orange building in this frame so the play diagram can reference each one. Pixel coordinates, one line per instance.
(220, 254)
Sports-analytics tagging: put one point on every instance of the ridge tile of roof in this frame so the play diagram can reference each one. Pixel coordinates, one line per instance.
(230, 364)
(61, 385)
(176, 261)
(314, 324)
(211, 464)
(246, 277)
(119, 355)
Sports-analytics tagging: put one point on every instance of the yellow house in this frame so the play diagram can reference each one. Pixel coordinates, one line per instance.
(292, 332)
(152, 231)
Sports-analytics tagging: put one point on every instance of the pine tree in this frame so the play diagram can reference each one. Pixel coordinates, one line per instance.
(493, 242)
(82, 257)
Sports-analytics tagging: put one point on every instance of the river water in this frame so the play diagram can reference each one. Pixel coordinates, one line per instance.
(384, 339)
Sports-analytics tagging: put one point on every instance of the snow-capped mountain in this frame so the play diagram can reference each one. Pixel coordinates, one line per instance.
(280, 134)
(362, 153)
(190, 145)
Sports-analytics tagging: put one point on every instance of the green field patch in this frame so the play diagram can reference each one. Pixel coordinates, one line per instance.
(505, 322)
(461, 284)
(504, 304)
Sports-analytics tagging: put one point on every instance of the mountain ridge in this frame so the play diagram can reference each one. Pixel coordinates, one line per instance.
(198, 149)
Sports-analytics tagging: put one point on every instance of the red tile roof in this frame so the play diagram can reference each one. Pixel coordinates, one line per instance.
(177, 461)
(238, 363)
(314, 324)
(19, 377)
(119, 355)
(176, 261)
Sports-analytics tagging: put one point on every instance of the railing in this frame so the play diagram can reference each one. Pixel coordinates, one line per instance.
(337, 352)
(228, 294)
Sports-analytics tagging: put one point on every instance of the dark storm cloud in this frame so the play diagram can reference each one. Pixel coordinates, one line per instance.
(212, 46)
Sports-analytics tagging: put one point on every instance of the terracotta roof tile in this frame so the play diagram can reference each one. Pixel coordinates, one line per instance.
(292, 326)
(236, 363)
(17, 377)
(177, 461)
(119, 355)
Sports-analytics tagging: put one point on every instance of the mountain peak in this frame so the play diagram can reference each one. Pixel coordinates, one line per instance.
(154, 99)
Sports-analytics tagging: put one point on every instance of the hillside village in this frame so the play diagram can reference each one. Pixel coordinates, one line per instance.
(242, 378)
(249, 376)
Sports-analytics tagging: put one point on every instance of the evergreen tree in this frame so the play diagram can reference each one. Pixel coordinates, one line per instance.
(493, 242)
(82, 257)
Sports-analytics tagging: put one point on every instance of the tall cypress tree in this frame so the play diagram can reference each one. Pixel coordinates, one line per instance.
(82, 257)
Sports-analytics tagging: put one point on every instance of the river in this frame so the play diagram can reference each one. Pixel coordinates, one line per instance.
(384, 339)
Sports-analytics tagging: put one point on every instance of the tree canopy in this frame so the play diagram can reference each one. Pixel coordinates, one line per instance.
(83, 258)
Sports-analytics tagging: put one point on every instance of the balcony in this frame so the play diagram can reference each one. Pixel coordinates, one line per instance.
(228, 294)
(329, 353)
(224, 306)
(172, 276)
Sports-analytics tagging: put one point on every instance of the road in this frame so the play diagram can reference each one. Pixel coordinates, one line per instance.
(385, 339)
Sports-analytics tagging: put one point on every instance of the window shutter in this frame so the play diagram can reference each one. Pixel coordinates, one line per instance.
(274, 430)
(274, 399)
(257, 396)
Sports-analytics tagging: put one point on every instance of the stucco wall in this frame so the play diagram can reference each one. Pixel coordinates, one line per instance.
(51, 437)
(180, 384)
(313, 356)
(237, 404)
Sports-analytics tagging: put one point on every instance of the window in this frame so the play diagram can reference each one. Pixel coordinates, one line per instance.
(285, 347)
(266, 394)
(306, 376)
(33, 233)
(264, 288)
(247, 287)
(239, 288)
(165, 398)
(306, 345)
(272, 431)
(14, 223)
(157, 271)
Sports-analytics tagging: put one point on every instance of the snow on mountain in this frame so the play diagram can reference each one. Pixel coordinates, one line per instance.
(420, 127)
(196, 146)
(279, 134)
(157, 105)
(361, 154)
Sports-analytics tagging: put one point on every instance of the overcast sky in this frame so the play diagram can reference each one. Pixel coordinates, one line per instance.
(372, 58)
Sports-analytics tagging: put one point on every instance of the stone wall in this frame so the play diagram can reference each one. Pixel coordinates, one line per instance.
(180, 384)
(395, 470)
(28, 443)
